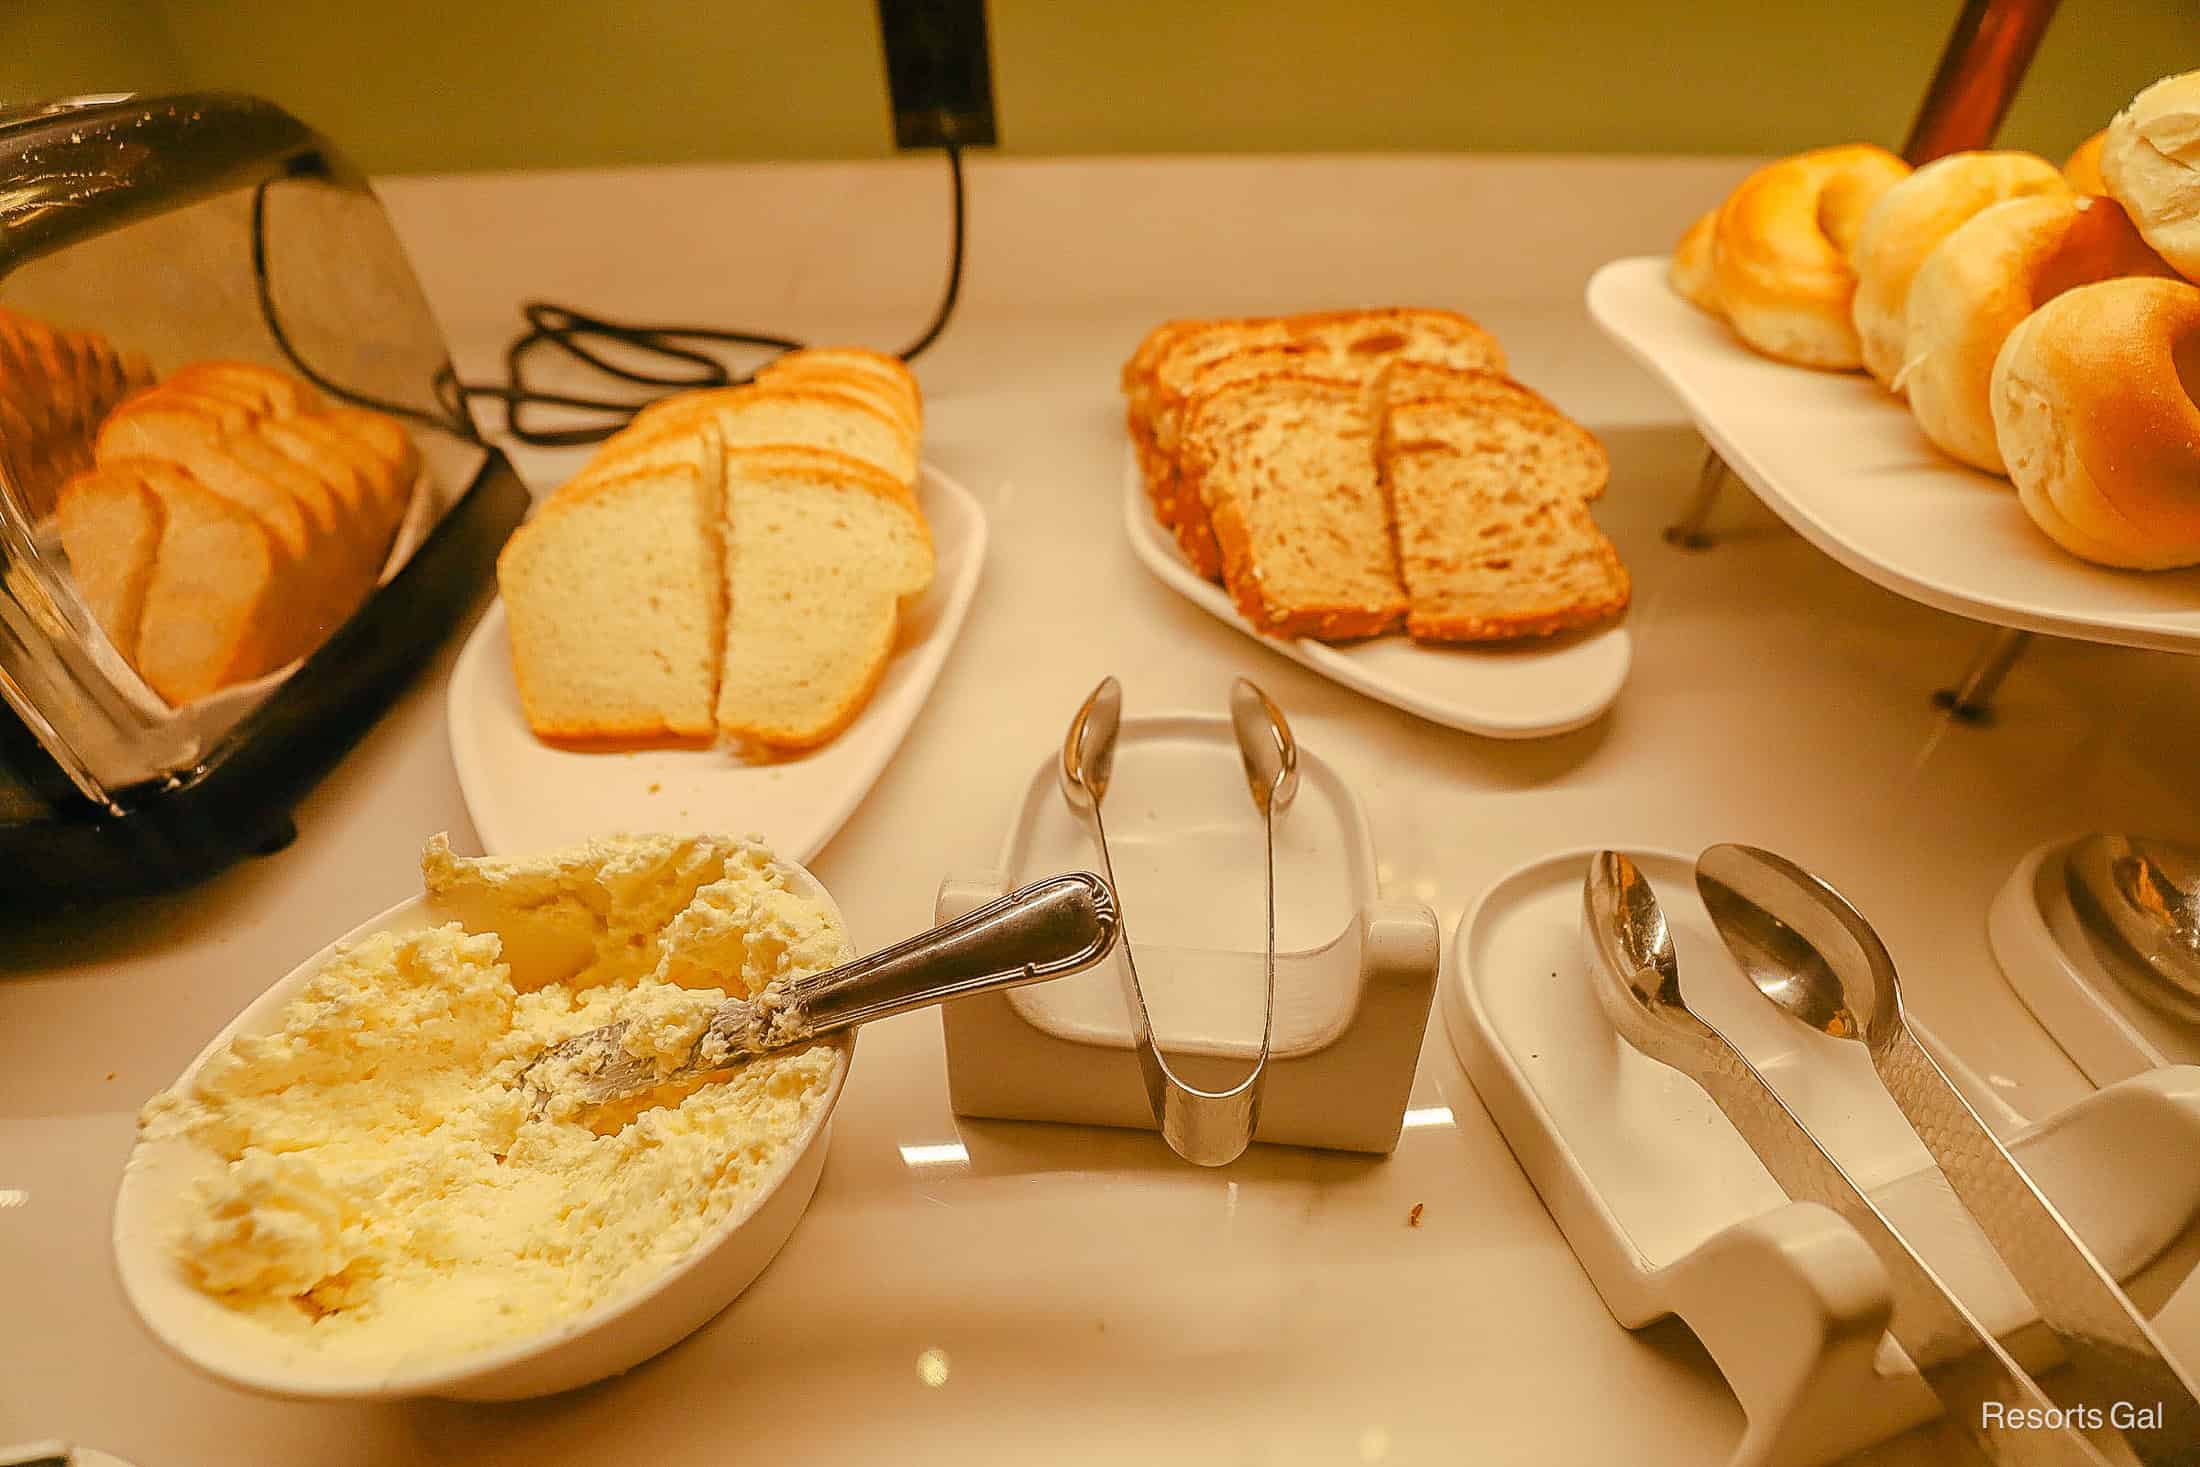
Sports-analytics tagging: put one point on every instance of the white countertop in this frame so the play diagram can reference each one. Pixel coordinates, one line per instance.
(1093, 1297)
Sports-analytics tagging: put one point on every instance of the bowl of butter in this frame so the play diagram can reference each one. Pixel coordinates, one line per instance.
(351, 1193)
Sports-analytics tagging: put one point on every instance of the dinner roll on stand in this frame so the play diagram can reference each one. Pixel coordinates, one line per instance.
(1981, 67)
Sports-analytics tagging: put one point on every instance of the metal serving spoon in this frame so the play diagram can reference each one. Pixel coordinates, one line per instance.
(2142, 898)
(1049, 929)
(1636, 975)
(1814, 956)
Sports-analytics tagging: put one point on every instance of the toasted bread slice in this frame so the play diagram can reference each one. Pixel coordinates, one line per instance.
(215, 593)
(1490, 489)
(1285, 465)
(821, 549)
(615, 595)
(110, 525)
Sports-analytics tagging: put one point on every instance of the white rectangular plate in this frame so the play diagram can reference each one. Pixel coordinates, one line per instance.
(1844, 464)
(1521, 690)
(525, 795)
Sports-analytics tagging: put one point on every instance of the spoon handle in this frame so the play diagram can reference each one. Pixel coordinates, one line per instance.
(2113, 1349)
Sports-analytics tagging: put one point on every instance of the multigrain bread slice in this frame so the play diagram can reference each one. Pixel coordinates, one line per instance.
(1286, 465)
(1155, 418)
(1490, 490)
(821, 550)
(764, 415)
(110, 525)
(615, 598)
(1180, 362)
(1587, 470)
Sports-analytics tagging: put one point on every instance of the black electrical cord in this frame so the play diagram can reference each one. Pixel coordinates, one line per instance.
(558, 328)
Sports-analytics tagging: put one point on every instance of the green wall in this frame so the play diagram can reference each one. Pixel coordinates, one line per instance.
(419, 85)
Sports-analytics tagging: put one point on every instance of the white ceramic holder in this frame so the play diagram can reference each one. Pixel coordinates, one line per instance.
(1355, 975)
(1671, 1214)
(2064, 979)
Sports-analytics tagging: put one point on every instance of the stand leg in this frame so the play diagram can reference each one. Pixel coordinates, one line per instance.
(1972, 700)
(1689, 532)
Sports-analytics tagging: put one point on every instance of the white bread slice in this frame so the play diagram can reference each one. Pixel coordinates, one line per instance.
(1489, 486)
(393, 448)
(1285, 465)
(318, 568)
(774, 416)
(346, 479)
(852, 368)
(821, 548)
(146, 426)
(615, 596)
(262, 389)
(110, 525)
(229, 416)
(215, 592)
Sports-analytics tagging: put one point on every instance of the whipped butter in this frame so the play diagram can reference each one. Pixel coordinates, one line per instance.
(384, 1196)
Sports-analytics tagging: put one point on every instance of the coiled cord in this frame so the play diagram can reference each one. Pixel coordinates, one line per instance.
(556, 330)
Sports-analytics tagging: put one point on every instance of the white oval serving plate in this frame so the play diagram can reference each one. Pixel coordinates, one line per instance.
(1845, 465)
(526, 795)
(612, 1337)
(1525, 690)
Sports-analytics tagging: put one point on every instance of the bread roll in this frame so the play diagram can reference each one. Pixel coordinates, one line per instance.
(2093, 398)
(2151, 161)
(1690, 273)
(1980, 282)
(1780, 259)
(1909, 220)
(2082, 169)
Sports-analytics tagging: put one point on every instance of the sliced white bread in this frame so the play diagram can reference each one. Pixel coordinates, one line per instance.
(821, 549)
(1285, 466)
(263, 389)
(215, 593)
(387, 439)
(871, 374)
(110, 525)
(361, 473)
(1490, 486)
(772, 415)
(348, 479)
(615, 596)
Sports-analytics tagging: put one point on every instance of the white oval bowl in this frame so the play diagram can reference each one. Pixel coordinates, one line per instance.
(611, 1337)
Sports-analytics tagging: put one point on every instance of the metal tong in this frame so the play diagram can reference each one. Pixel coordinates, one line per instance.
(1206, 1127)
(1636, 976)
(1812, 954)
